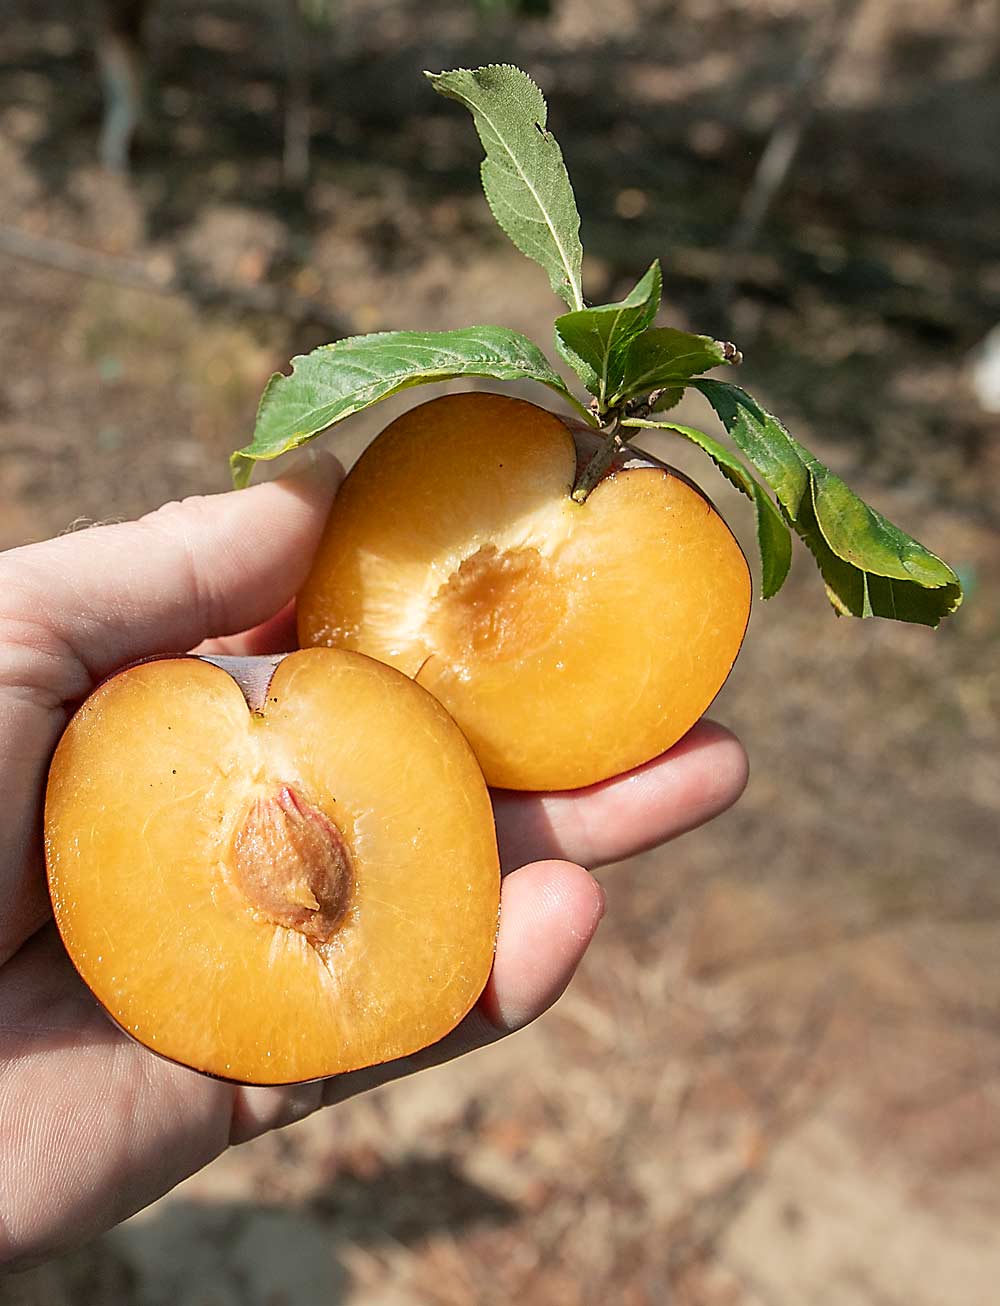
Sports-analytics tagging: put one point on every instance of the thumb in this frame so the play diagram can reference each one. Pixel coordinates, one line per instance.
(210, 565)
(549, 912)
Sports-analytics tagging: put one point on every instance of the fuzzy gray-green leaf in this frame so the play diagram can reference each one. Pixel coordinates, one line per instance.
(524, 178)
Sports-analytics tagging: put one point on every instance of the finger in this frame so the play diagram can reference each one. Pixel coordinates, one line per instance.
(549, 913)
(696, 780)
(276, 635)
(202, 567)
(118, 1127)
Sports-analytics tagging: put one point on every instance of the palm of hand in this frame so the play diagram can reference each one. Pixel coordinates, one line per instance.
(92, 1125)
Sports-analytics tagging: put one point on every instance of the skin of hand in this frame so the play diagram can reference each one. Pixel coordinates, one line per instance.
(92, 1125)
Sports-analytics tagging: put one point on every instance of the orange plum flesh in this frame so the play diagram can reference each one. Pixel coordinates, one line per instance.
(570, 641)
(280, 893)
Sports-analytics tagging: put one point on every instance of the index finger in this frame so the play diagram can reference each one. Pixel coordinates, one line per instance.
(697, 779)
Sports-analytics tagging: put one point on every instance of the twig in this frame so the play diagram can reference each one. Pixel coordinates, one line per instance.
(101, 266)
(295, 158)
(782, 146)
(121, 61)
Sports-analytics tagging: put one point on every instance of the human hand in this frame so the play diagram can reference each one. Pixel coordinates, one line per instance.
(93, 1126)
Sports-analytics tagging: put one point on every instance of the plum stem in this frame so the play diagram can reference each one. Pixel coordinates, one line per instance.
(609, 448)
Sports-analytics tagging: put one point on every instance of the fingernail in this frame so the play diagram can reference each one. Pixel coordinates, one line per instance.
(601, 906)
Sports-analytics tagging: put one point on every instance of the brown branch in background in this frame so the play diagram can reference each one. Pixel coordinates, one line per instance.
(121, 60)
(94, 263)
(295, 158)
(122, 57)
(783, 145)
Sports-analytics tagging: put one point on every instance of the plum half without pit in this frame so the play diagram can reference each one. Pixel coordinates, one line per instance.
(570, 641)
(575, 604)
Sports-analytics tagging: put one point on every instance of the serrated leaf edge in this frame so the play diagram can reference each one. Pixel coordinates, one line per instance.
(748, 485)
(573, 284)
(597, 381)
(242, 460)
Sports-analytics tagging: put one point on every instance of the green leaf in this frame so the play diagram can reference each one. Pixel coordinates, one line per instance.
(337, 380)
(763, 439)
(593, 340)
(870, 566)
(663, 358)
(860, 535)
(773, 536)
(525, 180)
(668, 398)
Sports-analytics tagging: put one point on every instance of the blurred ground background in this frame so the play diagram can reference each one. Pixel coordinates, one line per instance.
(777, 1079)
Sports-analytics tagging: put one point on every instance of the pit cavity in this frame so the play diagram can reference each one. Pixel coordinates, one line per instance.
(497, 606)
(292, 864)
